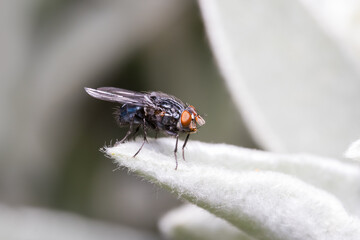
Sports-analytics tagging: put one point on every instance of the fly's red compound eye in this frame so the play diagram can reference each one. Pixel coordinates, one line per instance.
(185, 118)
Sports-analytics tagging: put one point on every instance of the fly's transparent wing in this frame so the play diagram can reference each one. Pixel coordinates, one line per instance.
(122, 92)
(119, 95)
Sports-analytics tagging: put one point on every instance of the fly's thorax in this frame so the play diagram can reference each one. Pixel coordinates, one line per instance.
(167, 113)
(164, 118)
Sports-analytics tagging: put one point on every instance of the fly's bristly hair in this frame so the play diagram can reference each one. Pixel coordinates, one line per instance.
(116, 114)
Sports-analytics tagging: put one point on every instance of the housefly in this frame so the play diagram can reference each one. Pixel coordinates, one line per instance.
(151, 110)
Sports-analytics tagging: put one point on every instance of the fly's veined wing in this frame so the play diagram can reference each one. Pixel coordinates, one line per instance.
(121, 92)
(119, 95)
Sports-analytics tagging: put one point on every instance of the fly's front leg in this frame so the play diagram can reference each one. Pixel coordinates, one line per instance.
(175, 151)
(145, 139)
(183, 147)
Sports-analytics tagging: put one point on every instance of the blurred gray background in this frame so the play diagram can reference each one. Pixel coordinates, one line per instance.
(51, 130)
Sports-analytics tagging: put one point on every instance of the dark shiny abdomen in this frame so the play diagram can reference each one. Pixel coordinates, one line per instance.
(128, 114)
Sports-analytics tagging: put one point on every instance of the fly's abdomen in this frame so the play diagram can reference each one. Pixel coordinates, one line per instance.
(127, 114)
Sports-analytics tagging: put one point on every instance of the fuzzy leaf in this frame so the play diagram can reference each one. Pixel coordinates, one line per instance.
(264, 204)
(353, 152)
(192, 222)
(296, 88)
(340, 20)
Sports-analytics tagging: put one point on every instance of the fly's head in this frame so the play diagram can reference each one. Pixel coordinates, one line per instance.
(190, 120)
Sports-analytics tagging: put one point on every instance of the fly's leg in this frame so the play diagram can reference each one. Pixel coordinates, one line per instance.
(136, 131)
(145, 140)
(183, 147)
(175, 151)
(156, 134)
(127, 134)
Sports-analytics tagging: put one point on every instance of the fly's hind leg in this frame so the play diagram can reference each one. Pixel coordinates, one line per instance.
(145, 139)
(126, 136)
(136, 131)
